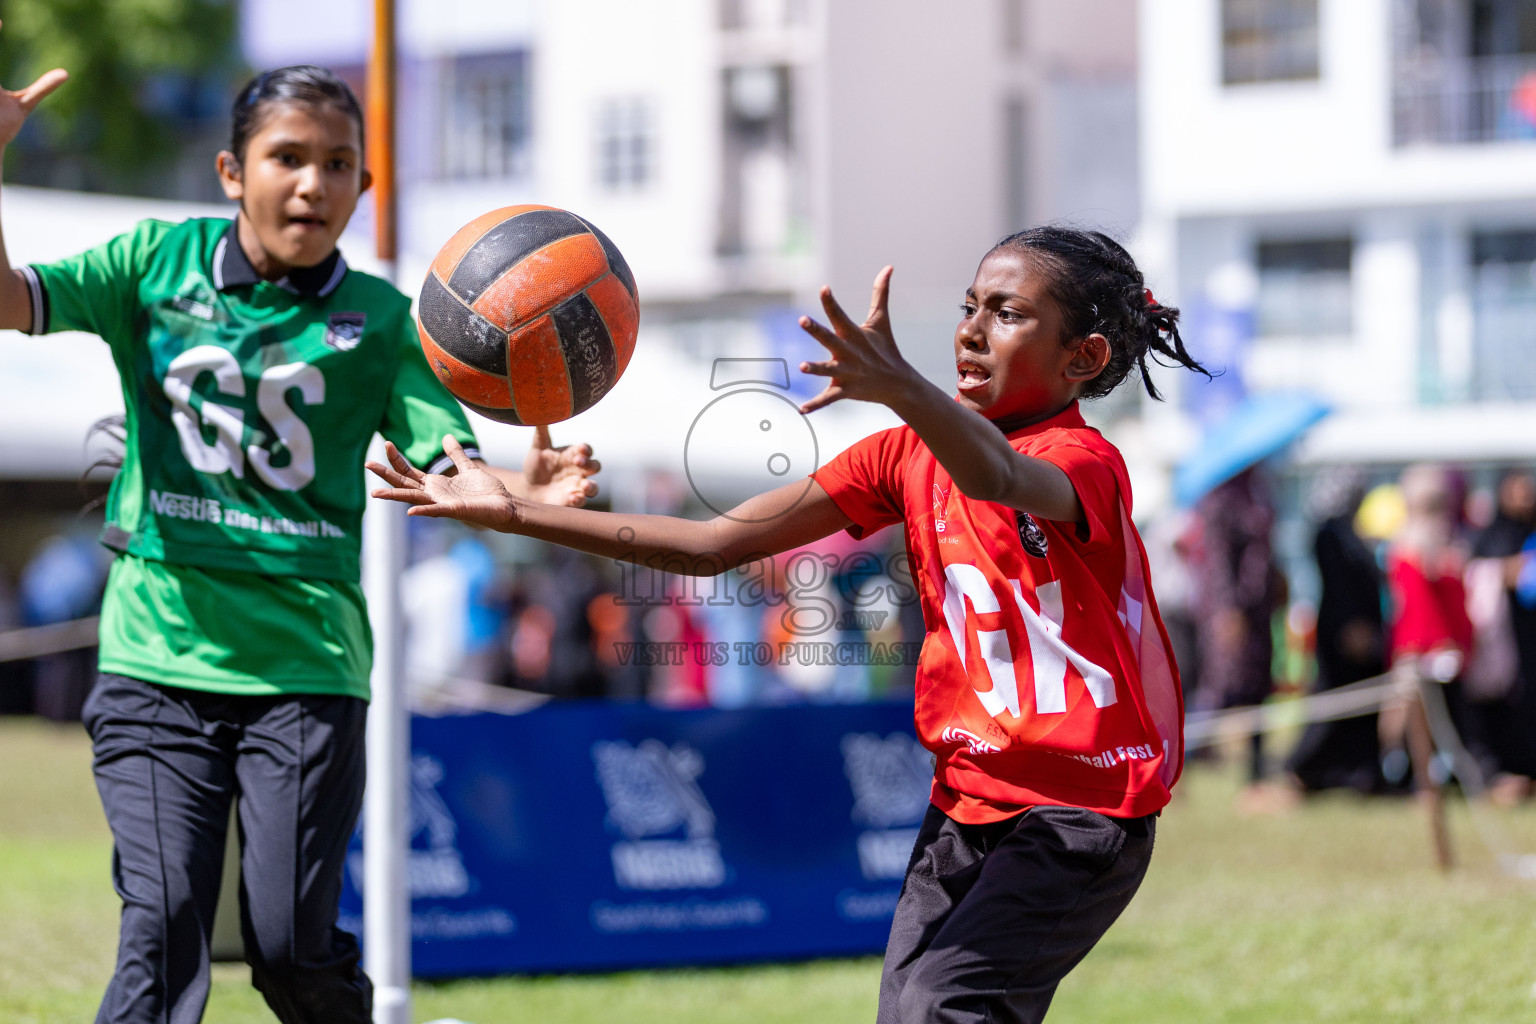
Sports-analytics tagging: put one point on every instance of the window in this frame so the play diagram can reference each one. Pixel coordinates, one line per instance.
(1503, 315)
(1304, 288)
(761, 187)
(485, 117)
(1503, 27)
(1268, 41)
(1464, 71)
(1504, 247)
(625, 148)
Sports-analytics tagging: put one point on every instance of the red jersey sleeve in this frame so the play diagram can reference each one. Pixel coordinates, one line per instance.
(865, 481)
(1097, 488)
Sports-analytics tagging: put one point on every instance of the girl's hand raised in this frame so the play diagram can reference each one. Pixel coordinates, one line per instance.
(865, 363)
(558, 476)
(16, 104)
(472, 495)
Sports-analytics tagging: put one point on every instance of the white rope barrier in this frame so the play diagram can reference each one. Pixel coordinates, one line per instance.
(1204, 729)
(1470, 774)
(41, 641)
(1207, 728)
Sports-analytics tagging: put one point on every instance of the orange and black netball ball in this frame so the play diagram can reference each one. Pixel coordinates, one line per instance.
(528, 315)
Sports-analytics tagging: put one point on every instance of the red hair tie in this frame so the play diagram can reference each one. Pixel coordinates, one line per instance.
(1150, 300)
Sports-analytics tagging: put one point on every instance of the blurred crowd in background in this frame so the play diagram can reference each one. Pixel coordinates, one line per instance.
(1425, 561)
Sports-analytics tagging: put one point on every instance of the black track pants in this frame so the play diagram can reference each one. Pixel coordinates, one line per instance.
(992, 917)
(168, 761)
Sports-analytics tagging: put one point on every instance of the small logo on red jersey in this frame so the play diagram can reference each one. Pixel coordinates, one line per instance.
(1031, 536)
(975, 744)
(940, 505)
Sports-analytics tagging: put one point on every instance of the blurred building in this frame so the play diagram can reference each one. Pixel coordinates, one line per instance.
(1342, 196)
(740, 152)
(743, 152)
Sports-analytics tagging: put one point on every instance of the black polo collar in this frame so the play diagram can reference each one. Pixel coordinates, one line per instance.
(231, 268)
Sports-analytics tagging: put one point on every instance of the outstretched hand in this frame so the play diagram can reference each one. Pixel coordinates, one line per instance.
(559, 476)
(16, 104)
(472, 495)
(865, 363)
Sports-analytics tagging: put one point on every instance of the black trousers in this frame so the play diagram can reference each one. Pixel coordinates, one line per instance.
(168, 761)
(992, 917)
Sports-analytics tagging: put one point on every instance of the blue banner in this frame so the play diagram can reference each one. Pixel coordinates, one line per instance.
(1221, 338)
(588, 836)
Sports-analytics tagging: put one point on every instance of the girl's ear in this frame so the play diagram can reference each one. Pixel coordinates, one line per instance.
(367, 181)
(1088, 359)
(231, 176)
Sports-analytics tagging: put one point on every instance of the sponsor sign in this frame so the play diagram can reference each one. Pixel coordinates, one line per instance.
(586, 836)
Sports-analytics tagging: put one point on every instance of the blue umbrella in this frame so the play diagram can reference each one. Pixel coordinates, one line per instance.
(1256, 429)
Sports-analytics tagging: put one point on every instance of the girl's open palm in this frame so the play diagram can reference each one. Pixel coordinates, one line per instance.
(472, 495)
(866, 364)
(16, 104)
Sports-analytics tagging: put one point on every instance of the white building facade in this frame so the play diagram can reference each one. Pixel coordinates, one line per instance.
(741, 153)
(1342, 195)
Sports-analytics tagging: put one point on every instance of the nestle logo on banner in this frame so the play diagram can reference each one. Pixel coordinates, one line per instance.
(655, 802)
(890, 779)
(437, 870)
(435, 866)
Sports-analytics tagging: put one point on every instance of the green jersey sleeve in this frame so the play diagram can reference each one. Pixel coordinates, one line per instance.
(421, 412)
(96, 291)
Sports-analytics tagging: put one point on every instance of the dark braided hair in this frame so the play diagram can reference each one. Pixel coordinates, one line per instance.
(305, 84)
(1100, 290)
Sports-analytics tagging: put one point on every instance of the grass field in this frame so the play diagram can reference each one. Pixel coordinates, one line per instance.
(1332, 912)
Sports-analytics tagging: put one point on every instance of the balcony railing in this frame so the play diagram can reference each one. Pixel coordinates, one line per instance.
(1447, 102)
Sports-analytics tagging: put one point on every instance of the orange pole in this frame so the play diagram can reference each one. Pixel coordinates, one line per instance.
(381, 127)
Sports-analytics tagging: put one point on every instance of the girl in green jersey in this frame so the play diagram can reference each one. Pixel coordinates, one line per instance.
(235, 647)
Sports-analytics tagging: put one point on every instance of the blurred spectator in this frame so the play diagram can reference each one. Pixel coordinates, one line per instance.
(453, 614)
(433, 598)
(63, 581)
(1381, 515)
(1236, 596)
(484, 608)
(1499, 677)
(737, 683)
(681, 678)
(1518, 119)
(532, 645)
(1430, 631)
(614, 633)
(568, 591)
(1424, 569)
(1351, 641)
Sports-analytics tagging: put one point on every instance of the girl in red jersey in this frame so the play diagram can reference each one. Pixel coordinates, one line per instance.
(1045, 687)
(1431, 635)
